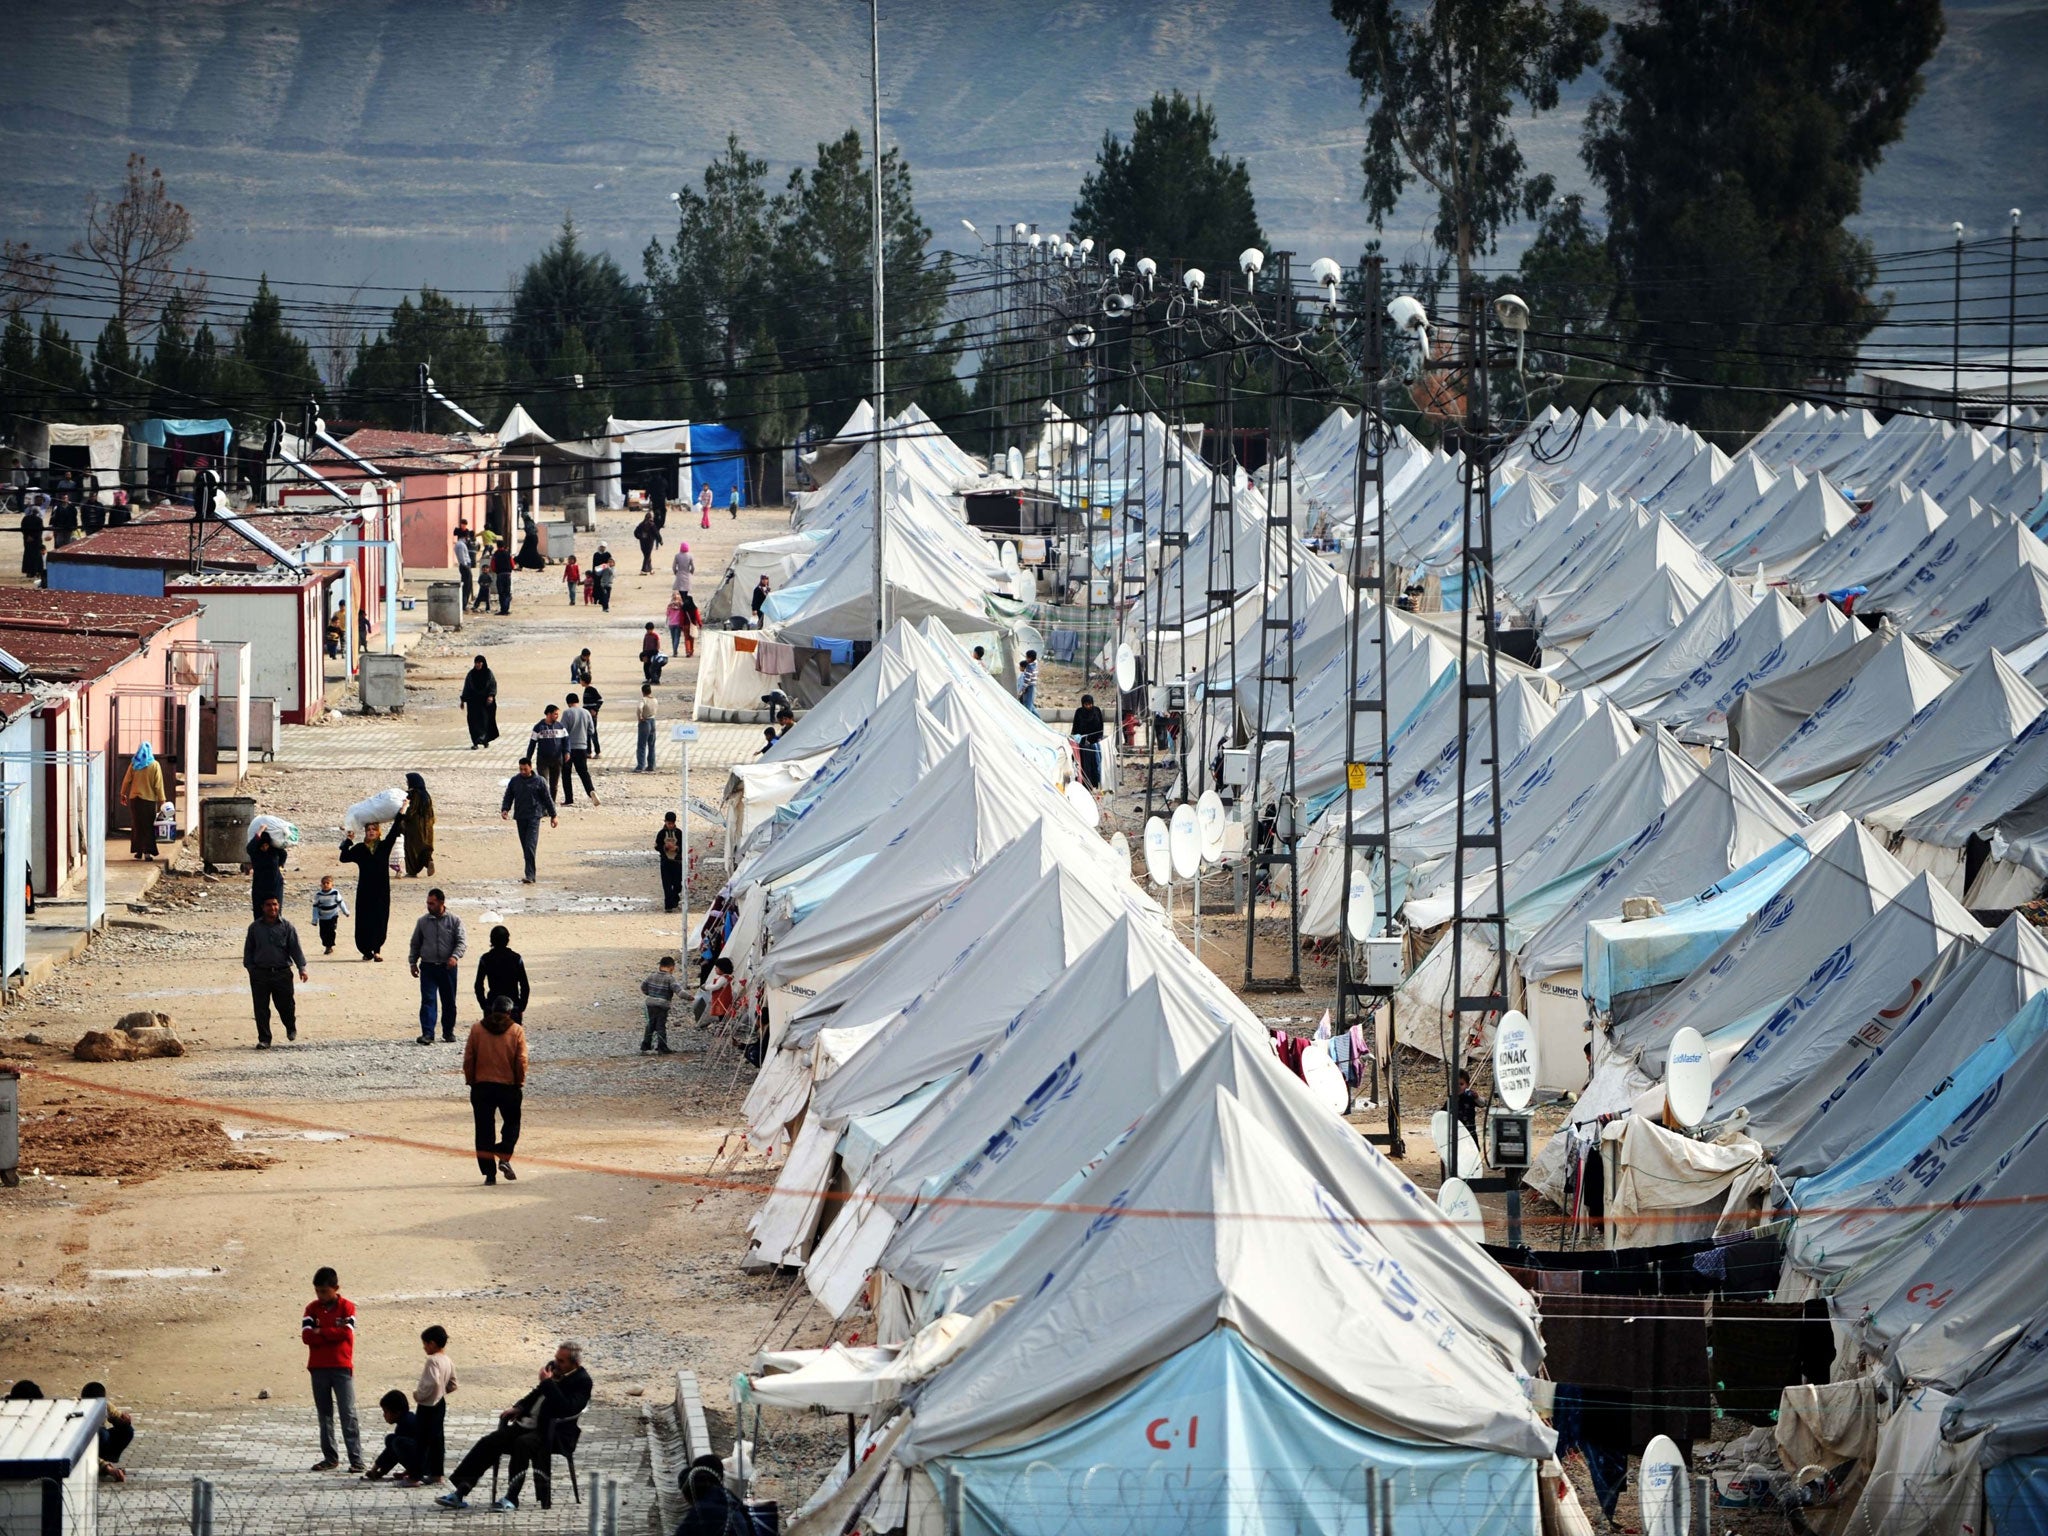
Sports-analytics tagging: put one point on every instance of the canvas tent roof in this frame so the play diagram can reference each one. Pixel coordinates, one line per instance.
(1711, 625)
(1770, 710)
(1283, 1259)
(1656, 612)
(1874, 544)
(1867, 711)
(1773, 639)
(2007, 617)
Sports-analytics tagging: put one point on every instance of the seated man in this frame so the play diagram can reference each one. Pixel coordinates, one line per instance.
(540, 1426)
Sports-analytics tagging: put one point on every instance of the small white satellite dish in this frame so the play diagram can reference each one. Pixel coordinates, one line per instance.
(1514, 1059)
(1121, 847)
(1209, 813)
(1324, 1078)
(1359, 914)
(1158, 858)
(1006, 553)
(1688, 1079)
(1083, 803)
(1470, 1164)
(1126, 668)
(1029, 639)
(1664, 1490)
(1456, 1200)
(1016, 464)
(1184, 841)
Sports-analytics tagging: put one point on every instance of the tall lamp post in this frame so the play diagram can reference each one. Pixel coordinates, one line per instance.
(880, 380)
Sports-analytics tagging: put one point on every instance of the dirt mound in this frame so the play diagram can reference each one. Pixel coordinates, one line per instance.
(127, 1044)
(75, 1137)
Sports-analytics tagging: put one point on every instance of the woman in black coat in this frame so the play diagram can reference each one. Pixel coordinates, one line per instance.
(372, 858)
(480, 704)
(266, 872)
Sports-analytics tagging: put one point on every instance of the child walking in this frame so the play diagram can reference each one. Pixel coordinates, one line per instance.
(661, 991)
(430, 1399)
(572, 578)
(329, 907)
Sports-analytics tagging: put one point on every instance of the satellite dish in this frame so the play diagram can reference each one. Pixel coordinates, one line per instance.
(1121, 847)
(1016, 464)
(1360, 914)
(1664, 1490)
(1126, 668)
(1029, 639)
(1184, 841)
(1688, 1079)
(1006, 553)
(1158, 860)
(1461, 1206)
(1083, 803)
(1469, 1164)
(1325, 1080)
(1514, 1059)
(1209, 814)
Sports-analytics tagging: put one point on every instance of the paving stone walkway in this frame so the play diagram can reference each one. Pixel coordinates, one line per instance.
(257, 1457)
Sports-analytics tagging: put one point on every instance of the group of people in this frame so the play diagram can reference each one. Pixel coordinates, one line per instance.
(70, 509)
(484, 563)
(595, 584)
(542, 1424)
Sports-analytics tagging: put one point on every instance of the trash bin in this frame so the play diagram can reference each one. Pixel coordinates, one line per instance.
(444, 604)
(224, 829)
(10, 1126)
(381, 679)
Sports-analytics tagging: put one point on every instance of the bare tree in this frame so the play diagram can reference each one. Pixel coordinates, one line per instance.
(26, 278)
(136, 240)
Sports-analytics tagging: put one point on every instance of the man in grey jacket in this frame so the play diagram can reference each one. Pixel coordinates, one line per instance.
(438, 945)
(270, 953)
(526, 801)
(581, 726)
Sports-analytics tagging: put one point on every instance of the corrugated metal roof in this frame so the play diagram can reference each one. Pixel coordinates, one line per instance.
(163, 536)
(46, 1438)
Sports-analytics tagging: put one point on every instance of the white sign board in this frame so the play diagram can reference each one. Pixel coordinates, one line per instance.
(1514, 1059)
(682, 733)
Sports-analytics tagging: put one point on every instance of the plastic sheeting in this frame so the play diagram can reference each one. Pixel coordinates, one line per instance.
(1216, 1442)
(718, 459)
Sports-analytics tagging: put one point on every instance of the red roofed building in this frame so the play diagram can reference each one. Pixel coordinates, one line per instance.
(98, 674)
(446, 480)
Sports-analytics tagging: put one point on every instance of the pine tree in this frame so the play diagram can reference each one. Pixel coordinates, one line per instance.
(273, 371)
(117, 382)
(1169, 194)
(66, 386)
(468, 365)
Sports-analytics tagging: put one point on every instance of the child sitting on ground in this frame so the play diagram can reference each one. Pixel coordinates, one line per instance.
(402, 1445)
(661, 991)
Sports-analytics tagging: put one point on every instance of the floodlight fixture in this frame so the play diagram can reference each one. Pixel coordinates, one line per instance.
(1512, 311)
(1195, 278)
(1147, 269)
(1407, 313)
(1116, 259)
(1080, 336)
(1251, 261)
(1087, 245)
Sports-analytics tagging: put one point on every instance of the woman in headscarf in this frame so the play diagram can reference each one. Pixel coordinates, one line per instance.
(416, 826)
(266, 871)
(32, 538)
(142, 786)
(480, 704)
(530, 558)
(373, 888)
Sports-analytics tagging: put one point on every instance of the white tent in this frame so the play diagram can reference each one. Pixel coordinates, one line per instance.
(1874, 544)
(1863, 714)
(2009, 616)
(1710, 626)
(1772, 638)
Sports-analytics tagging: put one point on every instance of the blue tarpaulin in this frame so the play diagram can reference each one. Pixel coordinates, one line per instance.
(159, 430)
(2016, 1493)
(717, 459)
(1215, 1442)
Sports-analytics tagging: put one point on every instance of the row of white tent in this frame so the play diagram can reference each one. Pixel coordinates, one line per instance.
(1063, 1165)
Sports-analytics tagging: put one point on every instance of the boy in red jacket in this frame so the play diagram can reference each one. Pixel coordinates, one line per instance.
(329, 1332)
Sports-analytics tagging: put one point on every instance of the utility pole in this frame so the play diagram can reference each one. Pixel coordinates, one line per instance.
(880, 377)
(2012, 316)
(1955, 366)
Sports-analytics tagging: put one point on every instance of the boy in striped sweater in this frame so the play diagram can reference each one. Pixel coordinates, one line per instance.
(329, 907)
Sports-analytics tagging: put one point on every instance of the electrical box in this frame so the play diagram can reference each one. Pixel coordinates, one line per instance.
(1098, 592)
(1507, 1138)
(1237, 767)
(1383, 963)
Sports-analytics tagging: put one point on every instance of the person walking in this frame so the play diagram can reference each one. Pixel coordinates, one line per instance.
(650, 654)
(593, 701)
(494, 1067)
(760, 601)
(643, 731)
(501, 572)
(270, 953)
(328, 1330)
(526, 793)
(501, 973)
(657, 505)
(142, 787)
(438, 945)
(684, 565)
(668, 848)
(465, 567)
(416, 827)
(266, 871)
(32, 541)
(643, 535)
(480, 703)
(329, 908)
(1088, 729)
(572, 577)
(372, 858)
(548, 747)
(662, 990)
(732, 503)
(1027, 681)
(603, 571)
(576, 723)
(704, 506)
(674, 619)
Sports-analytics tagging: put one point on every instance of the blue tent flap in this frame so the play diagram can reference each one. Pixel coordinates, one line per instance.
(717, 459)
(1215, 1442)
(159, 430)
